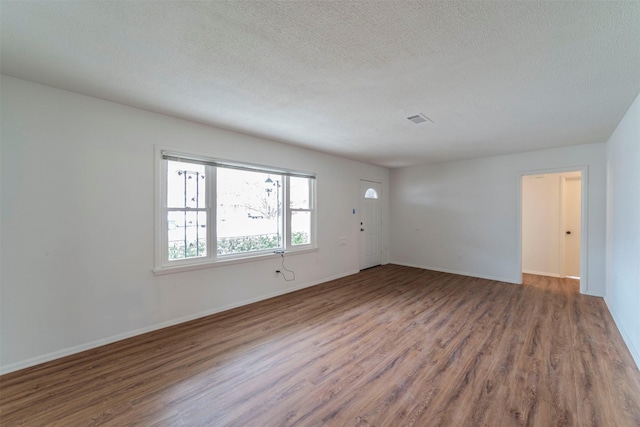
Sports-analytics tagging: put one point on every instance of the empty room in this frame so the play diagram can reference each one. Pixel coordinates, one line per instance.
(320, 213)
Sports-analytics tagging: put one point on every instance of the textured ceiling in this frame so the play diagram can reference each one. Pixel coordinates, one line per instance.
(341, 77)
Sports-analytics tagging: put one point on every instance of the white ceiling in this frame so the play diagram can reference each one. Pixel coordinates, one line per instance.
(341, 77)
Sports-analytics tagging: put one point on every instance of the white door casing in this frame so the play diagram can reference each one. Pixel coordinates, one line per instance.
(585, 287)
(370, 224)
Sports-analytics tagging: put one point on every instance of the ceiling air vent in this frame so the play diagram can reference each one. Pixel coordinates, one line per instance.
(419, 118)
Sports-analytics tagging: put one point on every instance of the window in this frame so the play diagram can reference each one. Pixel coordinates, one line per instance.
(371, 193)
(300, 212)
(212, 211)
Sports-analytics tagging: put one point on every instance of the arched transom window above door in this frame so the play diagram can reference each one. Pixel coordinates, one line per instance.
(370, 194)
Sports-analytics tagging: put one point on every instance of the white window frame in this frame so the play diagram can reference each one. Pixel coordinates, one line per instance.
(289, 210)
(165, 266)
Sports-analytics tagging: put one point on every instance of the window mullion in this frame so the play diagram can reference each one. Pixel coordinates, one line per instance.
(313, 209)
(212, 212)
(286, 217)
(164, 229)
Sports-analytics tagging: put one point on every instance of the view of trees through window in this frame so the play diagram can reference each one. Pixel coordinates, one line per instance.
(248, 207)
(300, 208)
(186, 210)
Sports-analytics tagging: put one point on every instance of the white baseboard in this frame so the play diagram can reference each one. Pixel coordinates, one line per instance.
(593, 294)
(542, 273)
(460, 273)
(12, 367)
(635, 352)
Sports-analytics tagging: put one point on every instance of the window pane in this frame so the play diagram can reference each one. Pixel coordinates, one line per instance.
(300, 228)
(249, 211)
(299, 191)
(187, 234)
(185, 185)
(371, 194)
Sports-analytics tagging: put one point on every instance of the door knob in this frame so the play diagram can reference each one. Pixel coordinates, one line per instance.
(568, 232)
(362, 229)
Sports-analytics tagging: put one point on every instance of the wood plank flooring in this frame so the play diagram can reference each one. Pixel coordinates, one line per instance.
(390, 346)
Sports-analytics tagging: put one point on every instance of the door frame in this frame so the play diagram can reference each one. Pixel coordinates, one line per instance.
(358, 218)
(584, 214)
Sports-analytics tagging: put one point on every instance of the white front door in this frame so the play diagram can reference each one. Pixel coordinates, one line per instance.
(572, 226)
(370, 224)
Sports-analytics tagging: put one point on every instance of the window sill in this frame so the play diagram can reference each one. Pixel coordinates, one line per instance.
(161, 271)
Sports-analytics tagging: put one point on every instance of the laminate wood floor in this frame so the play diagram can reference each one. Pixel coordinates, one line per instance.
(390, 346)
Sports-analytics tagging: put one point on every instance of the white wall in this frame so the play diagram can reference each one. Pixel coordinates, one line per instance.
(77, 177)
(464, 217)
(623, 227)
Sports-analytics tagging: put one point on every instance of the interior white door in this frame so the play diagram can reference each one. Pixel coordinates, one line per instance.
(370, 224)
(572, 226)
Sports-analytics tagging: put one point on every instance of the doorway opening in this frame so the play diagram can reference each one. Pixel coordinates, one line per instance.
(553, 218)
